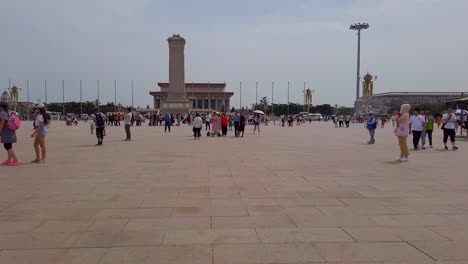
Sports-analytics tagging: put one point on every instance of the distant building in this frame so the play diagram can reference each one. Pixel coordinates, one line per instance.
(203, 97)
(384, 102)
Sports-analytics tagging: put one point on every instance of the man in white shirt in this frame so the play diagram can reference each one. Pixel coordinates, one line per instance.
(128, 123)
(450, 120)
(416, 127)
(197, 126)
(208, 122)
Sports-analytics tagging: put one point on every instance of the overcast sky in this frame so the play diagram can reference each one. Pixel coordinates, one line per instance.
(412, 45)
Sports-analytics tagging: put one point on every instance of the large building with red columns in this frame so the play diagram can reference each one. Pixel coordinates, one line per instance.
(203, 97)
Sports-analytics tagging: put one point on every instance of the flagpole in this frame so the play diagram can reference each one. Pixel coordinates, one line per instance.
(98, 102)
(256, 92)
(132, 94)
(272, 87)
(27, 93)
(115, 95)
(45, 88)
(81, 99)
(63, 97)
(240, 96)
(288, 98)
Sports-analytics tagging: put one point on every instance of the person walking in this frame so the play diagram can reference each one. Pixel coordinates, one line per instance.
(224, 124)
(402, 131)
(216, 124)
(7, 135)
(347, 120)
(416, 127)
(167, 122)
(92, 126)
(427, 129)
(39, 134)
(256, 121)
(128, 123)
(242, 121)
(100, 127)
(371, 126)
(208, 122)
(341, 120)
(197, 126)
(231, 123)
(449, 125)
(236, 124)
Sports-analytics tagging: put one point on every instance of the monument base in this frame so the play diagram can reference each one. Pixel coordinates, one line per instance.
(176, 106)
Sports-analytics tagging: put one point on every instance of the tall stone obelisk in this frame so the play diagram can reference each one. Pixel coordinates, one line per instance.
(176, 101)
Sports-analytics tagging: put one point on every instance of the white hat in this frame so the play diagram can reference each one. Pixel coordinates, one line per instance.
(41, 106)
(371, 112)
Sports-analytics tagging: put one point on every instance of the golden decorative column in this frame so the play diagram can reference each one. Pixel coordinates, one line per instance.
(368, 89)
(14, 96)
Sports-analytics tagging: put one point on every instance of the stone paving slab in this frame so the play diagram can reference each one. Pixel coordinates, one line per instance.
(310, 194)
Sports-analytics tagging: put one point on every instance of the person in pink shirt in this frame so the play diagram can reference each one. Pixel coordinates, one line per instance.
(402, 131)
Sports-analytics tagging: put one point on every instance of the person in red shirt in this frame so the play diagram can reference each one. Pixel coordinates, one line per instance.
(224, 124)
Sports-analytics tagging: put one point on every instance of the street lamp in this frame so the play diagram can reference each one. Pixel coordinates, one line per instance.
(358, 27)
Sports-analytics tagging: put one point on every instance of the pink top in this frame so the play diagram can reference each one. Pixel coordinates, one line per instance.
(403, 126)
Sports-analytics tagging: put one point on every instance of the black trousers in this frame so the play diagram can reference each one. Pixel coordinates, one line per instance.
(207, 126)
(347, 123)
(224, 130)
(127, 131)
(449, 133)
(166, 126)
(341, 123)
(416, 138)
(8, 146)
(429, 135)
(100, 134)
(236, 128)
(197, 132)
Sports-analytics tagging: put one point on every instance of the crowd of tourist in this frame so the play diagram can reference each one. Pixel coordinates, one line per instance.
(420, 125)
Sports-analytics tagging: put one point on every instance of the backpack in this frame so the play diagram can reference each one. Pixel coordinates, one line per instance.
(14, 122)
(99, 120)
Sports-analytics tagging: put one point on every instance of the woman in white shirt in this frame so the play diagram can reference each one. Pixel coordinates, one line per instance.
(450, 120)
(40, 132)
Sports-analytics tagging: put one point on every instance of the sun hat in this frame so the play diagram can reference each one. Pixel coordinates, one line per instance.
(40, 106)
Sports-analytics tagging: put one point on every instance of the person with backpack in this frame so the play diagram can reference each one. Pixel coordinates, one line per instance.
(9, 123)
(39, 134)
(371, 126)
(100, 127)
(167, 122)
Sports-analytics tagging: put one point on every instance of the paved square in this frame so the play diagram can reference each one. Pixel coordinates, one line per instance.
(310, 194)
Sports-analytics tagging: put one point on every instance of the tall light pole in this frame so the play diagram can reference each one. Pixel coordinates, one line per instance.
(358, 27)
